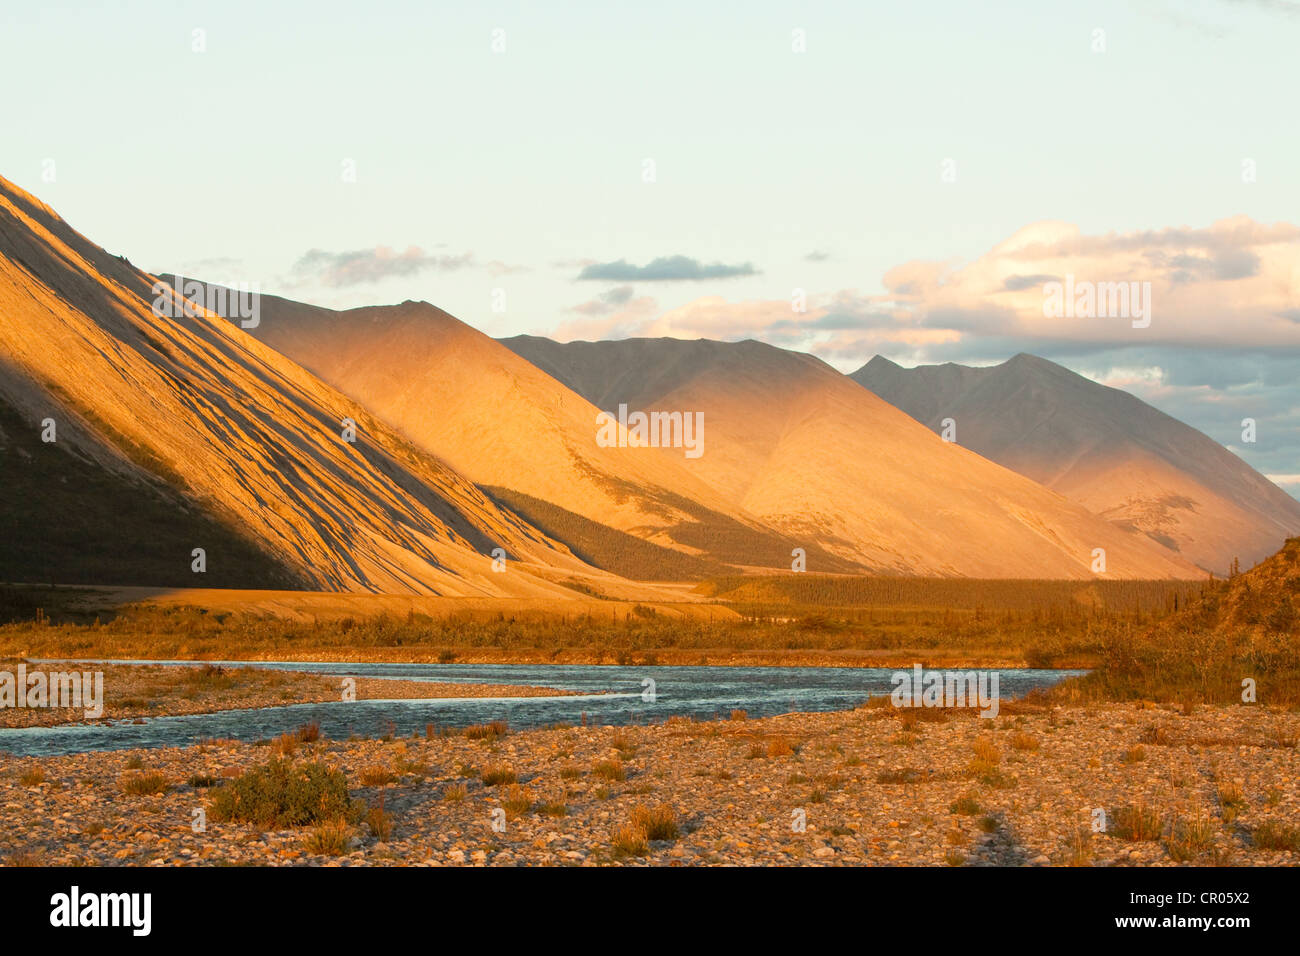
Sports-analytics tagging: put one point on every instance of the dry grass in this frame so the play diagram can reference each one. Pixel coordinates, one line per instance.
(456, 793)
(992, 618)
(1137, 823)
(1158, 735)
(517, 801)
(494, 775)
(965, 805)
(658, 823)
(986, 752)
(553, 806)
(1134, 754)
(1078, 848)
(903, 775)
(379, 822)
(628, 840)
(376, 776)
(1023, 742)
(779, 747)
(491, 731)
(309, 732)
(1189, 837)
(25, 858)
(1246, 625)
(33, 776)
(1274, 835)
(1231, 800)
(609, 770)
(145, 784)
(330, 838)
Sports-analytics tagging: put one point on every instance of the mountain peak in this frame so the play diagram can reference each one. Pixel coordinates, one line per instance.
(879, 362)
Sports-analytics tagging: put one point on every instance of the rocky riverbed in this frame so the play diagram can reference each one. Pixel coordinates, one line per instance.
(1126, 785)
(135, 691)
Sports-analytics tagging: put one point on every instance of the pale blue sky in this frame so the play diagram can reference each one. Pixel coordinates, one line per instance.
(512, 170)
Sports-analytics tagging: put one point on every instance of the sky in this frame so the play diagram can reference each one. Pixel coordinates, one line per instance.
(845, 179)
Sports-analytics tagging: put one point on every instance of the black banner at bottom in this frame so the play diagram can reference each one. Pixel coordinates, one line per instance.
(334, 905)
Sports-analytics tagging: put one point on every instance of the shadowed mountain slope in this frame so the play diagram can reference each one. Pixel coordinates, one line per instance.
(247, 438)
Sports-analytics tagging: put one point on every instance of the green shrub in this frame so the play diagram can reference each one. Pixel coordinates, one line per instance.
(282, 794)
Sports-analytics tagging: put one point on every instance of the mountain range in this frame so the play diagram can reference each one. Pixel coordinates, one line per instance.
(396, 449)
(811, 453)
(1104, 448)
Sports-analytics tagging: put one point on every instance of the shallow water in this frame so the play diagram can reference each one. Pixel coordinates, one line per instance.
(611, 695)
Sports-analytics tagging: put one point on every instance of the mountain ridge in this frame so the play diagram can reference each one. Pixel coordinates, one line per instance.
(1103, 447)
(796, 443)
(240, 432)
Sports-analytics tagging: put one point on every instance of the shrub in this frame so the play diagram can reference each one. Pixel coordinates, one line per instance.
(282, 794)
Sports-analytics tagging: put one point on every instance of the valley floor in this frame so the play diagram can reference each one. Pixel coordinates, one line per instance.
(873, 786)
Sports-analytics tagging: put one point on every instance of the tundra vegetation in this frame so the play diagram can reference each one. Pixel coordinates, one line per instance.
(1167, 641)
